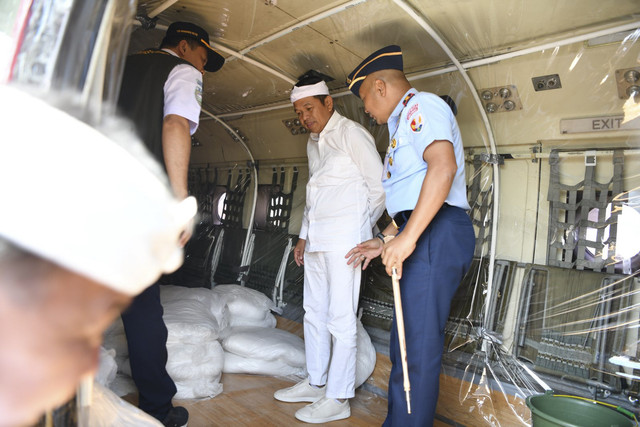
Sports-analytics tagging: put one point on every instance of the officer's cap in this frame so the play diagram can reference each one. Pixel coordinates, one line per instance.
(387, 58)
(215, 61)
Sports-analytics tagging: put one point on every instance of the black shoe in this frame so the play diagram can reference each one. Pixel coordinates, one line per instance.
(177, 417)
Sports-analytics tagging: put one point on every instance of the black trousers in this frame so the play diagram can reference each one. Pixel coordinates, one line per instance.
(147, 340)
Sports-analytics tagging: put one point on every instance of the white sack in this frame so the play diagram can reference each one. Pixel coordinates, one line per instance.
(107, 367)
(115, 338)
(193, 361)
(195, 358)
(123, 385)
(108, 410)
(198, 388)
(215, 304)
(189, 321)
(247, 307)
(234, 364)
(266, 344)
(365, 356)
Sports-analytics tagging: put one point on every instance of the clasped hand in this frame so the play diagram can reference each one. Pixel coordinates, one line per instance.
(393, 253)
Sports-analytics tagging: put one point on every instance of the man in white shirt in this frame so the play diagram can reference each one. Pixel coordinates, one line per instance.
(344, 200)
(162, 92)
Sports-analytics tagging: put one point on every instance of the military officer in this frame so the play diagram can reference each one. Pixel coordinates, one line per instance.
(431, 239)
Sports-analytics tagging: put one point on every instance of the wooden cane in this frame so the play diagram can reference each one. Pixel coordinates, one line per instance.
(401, 339)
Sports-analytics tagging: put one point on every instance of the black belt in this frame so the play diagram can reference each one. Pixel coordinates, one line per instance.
(401, 217)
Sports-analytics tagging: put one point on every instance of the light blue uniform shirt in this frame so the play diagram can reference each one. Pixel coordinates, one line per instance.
(424, 119)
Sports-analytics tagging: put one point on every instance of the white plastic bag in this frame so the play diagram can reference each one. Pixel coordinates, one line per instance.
(365, 356)
(108, 410)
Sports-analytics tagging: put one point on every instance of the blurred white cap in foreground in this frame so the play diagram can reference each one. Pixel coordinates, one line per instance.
(70, 194)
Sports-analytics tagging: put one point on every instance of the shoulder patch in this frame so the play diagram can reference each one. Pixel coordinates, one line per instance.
(414, 108)
(198, 92)
(416, 123)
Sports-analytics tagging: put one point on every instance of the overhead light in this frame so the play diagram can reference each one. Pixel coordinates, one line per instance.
(504, 92)
(548, 82)
(632, 76)
(633, 91)
(294, 126)
(628, 81)
(500, 99)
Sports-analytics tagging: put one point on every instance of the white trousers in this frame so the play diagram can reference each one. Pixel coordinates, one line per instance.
(331, 290)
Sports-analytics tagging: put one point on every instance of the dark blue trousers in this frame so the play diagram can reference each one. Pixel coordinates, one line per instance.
(147, 340)
(430, 277)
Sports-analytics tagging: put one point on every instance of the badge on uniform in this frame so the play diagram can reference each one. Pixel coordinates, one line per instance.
(416, 123)
(412, 111)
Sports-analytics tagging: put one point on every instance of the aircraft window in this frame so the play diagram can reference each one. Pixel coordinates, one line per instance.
(624, 249)
(219, 210)
(592, 233)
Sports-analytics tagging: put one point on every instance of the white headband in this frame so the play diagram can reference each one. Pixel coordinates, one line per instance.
(300, 92)
(73, 196)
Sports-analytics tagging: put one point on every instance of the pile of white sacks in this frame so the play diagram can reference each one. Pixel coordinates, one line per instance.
(228, 329)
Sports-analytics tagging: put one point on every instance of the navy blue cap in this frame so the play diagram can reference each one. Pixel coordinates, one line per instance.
(215, 61)
(387, 58)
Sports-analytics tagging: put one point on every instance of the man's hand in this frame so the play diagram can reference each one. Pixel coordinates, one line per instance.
(396, 251)
(364, 252)
(298, 252)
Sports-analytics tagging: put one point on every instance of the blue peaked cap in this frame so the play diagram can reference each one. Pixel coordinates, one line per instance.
(387, 58)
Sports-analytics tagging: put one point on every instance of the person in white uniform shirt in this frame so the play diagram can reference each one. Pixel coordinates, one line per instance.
(344, 200)
(162, 92)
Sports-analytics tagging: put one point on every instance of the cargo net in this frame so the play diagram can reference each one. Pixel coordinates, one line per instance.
(273, 209)
(234, 200)
(272, 248)
(202, 184)
(583, 217)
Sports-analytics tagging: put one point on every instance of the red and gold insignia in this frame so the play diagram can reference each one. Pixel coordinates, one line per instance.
(416, 124)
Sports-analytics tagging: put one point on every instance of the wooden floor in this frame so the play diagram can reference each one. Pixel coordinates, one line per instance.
(247, 400)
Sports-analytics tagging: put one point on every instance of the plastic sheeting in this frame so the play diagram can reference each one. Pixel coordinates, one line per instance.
(549, 119)
(551, 300)
(108, 410)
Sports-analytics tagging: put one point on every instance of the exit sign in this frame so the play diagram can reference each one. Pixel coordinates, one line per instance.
(598, 124)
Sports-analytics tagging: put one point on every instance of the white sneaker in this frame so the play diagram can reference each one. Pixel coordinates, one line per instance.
(324, 410)
(301, 392)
